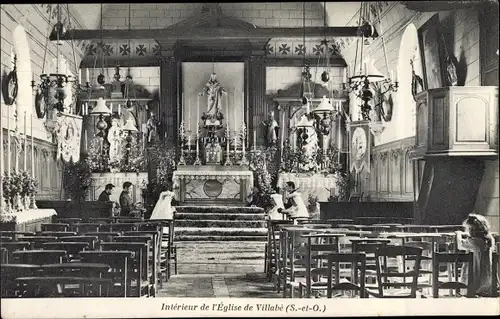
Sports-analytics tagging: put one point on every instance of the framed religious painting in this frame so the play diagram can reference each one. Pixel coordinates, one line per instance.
(360, 146)
(432, 51)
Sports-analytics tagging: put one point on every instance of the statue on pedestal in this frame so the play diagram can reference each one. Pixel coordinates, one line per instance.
(152, 126)
(214, 92)
(272, 130)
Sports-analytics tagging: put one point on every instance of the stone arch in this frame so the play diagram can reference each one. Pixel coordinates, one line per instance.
(404, 113)
(21, 48)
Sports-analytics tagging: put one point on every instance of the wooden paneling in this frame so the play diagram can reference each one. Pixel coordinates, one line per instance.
(48, 170)
(391, 176)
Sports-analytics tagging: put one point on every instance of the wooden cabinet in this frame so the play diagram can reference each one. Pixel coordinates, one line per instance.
(457, 121)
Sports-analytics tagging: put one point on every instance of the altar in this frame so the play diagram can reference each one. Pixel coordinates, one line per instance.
(212, 184)
(31, 220)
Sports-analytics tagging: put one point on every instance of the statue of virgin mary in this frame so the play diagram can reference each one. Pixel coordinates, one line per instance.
(214, 92)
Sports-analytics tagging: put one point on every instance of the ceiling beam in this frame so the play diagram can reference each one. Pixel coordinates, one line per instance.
(209, 33)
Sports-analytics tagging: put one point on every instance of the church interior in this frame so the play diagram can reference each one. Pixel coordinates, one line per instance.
(262, 150)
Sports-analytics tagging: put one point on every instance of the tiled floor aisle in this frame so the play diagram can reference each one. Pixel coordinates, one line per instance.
(250, 285)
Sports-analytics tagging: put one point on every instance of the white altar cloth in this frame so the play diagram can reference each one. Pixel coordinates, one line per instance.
(33, 215)
(319, 185)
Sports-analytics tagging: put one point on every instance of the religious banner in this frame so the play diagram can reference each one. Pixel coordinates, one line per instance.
(69, 132)
(360, 137)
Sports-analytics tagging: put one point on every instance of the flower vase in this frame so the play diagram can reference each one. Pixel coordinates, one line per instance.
(18, 205)
(33, 202)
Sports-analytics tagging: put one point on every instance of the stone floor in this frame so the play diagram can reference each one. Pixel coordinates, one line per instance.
(233, 285)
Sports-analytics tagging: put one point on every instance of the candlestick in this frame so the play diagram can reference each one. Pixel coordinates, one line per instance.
(227, 111)
(228, 161)
(79, 76)
(197, 111)
(24, 144)
(254, 140)
(283, 131)
(183, 102)
(366, 69)
(9, 155)
(32, 150)
(189, 142)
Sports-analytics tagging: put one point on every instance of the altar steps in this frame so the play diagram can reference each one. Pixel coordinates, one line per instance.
(220, 223)
(212, 257)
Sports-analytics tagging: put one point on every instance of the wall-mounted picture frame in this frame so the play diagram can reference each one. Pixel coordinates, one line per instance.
(432, 53)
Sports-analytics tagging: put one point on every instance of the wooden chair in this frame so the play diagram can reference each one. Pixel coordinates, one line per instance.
(103, 236)
(11, 247)
(92, 241)
(155, 247)
(102, 220)
(358, 264)
(122, 227)
(72, 248)
(37, 241)
(83, 228)
(314, 259)
(50, 287)
(39, 257)
(6, 239)
(145, 239)
(122, 219)
(80, 270)
(16, 234)
(390, 274)
(456, 259)
(119, 262)
(4, 255)
(8, 275)
(139, 282)
(57, 233)
(58, 227)
(168, 252)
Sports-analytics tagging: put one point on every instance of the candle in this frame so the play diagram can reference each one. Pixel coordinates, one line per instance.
(227, 112)
(283, 131)
(395, 75)
(344, 80)
(119, 109)
(254, 140)
(189, 142)
(79, 76)
(32, 150)
(24, 146)
(189, 110)
(197, 111)
(8, 142)
(366, 69)
(87, 75)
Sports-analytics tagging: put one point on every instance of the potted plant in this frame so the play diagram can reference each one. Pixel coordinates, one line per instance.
(77, 179)
(8, 222)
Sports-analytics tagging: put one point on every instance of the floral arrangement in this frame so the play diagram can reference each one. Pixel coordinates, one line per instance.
(164, 159)
(97, 162)
(263, 165)
(77, 179)
(344, 184)
(17, 187)
(313, 206)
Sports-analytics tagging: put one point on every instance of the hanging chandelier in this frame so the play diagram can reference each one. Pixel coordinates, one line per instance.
(52, 88)
(364, 74)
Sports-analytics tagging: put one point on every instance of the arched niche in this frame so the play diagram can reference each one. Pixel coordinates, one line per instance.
(405, 107)
(24, 100)
(403, 121)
